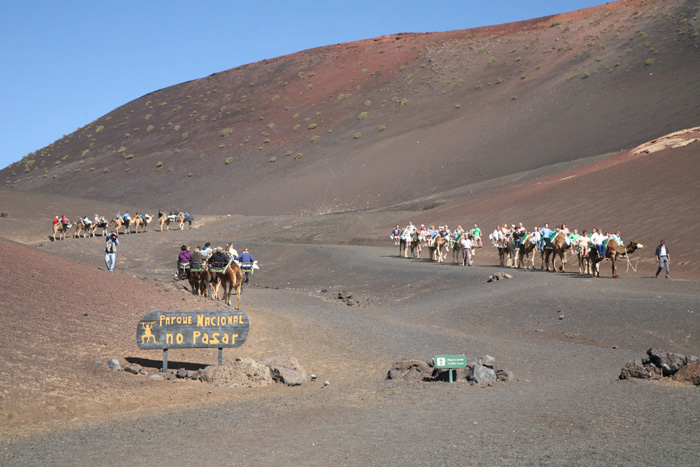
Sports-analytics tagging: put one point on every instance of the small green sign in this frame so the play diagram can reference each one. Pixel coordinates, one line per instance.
(451, 361)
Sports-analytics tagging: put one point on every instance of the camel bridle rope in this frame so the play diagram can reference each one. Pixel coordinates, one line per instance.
(629, 264)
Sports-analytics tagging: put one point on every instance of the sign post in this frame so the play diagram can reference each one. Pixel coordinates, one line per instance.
(450, 362)
(192, 329)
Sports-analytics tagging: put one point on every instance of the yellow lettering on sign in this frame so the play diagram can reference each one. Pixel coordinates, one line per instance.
(189, 319)
(233, 338)
(214, 338)
(200, 320)
(205, 338)
(168, 338)
(161, 319)
(179, 338)
(195, 335)
(224, 338)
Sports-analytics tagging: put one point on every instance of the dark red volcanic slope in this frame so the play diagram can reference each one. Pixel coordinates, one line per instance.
(380, 121)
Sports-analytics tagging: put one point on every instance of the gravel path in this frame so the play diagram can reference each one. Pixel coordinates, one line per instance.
(565, 338)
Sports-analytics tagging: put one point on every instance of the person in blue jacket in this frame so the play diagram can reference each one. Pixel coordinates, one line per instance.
(246, 260)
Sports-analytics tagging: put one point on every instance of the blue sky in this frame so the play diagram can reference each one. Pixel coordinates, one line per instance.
(66, 64)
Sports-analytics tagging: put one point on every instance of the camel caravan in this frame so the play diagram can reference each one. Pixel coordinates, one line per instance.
(518, 247)
(438, 242)
(216, 272)
(86, 227)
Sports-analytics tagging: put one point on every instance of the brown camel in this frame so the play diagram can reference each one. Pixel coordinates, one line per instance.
(82, 230)
(415, 246)
(164, 221)
(230, 279)
(612, 252)
(142, 221)
(559, 247)
(199, 278)
(180, 219)
(59, 230)
(438, 249)
(118, 222)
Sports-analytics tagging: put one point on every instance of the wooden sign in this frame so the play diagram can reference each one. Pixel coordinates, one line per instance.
(192, 329)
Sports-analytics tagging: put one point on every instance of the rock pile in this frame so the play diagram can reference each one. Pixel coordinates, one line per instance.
(659, 364)
(241, 372)
(478, 370)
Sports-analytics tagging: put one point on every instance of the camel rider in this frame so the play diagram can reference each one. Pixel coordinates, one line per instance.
(396, 234)
(127, 217)
(583, 241)
(616, 237)
(207, 251)
(597, 241)
(218, 259)
(408, 232)
(247, 261)
(64, 221)
(518, 235)
(573, 238)
(56, 220)
(546, 237)
(476, 233)
(160, 213)
(86, 221)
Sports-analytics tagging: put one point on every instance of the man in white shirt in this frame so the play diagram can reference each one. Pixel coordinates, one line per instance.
(466, 245)
(663, 257)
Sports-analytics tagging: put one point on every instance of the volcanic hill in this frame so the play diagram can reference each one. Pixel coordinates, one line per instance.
(378, 122)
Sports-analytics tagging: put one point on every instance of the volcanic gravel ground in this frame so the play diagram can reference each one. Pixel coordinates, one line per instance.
(564, 337)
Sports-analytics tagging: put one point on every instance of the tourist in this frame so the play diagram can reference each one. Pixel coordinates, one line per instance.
(183, 261)
(476, 233)
(247, 261)
(663, 257)
(466, 245)
(111, 251)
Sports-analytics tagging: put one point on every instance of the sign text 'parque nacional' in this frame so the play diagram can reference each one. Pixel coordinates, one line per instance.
(192, 329)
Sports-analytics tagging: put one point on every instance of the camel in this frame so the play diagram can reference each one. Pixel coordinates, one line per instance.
(180, 219)
(101, 224)
(165, 221)
(416, 247)
(612, 252)
(118, 222)
(82, 230)
(438, 249)
(584, 261)
(526, 254)
(61, 229)
(506, 255)
(408, 241)
(142, 221)
(559, 247)
(199, 278)
(230, 279)
(403, 247)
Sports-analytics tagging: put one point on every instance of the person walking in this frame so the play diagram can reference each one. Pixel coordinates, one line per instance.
(111, 251)
(663, 257)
